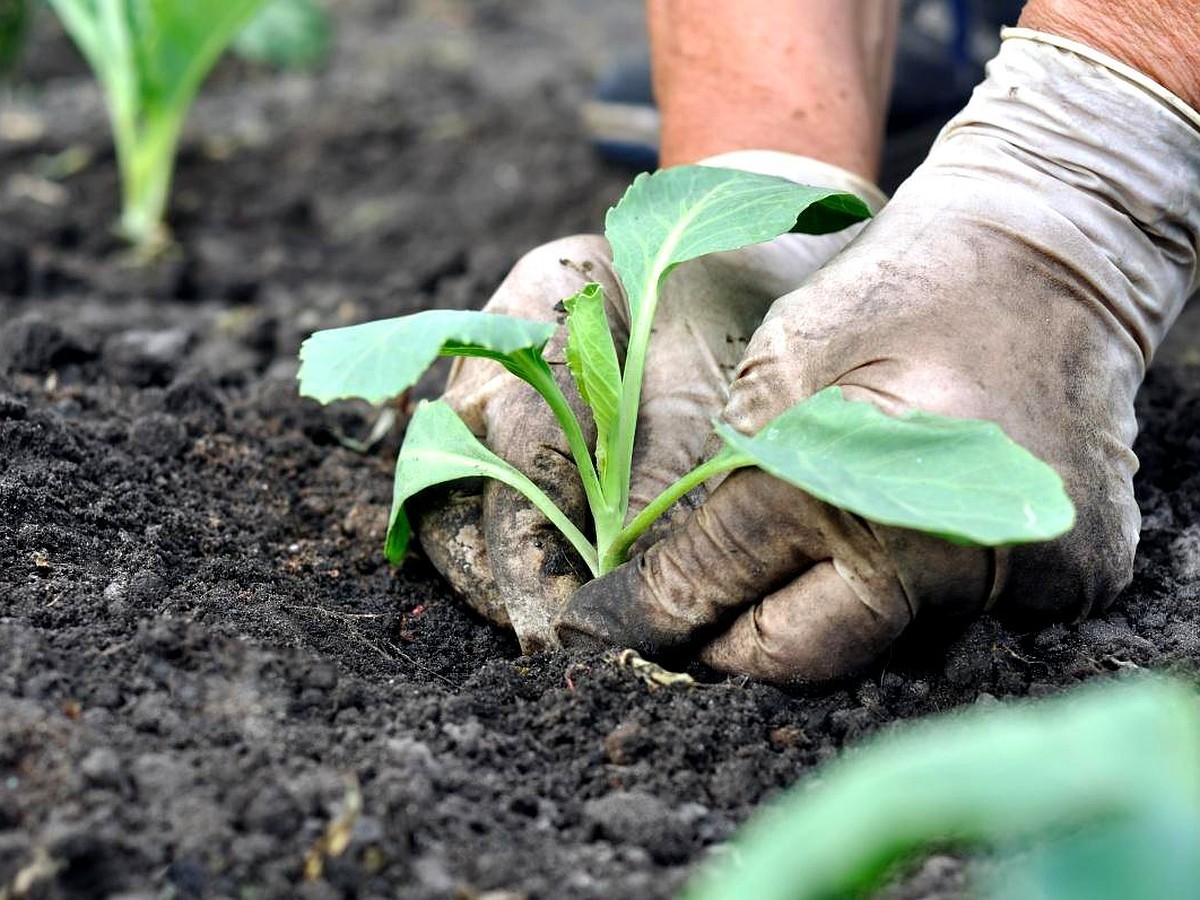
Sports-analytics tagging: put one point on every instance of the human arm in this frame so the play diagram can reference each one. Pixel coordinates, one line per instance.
(1024, 274)
(1159, 38)
(808, 78)
(494, 548)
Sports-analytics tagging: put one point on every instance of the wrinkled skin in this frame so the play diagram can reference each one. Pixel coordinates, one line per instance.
(496, 550)
(1024, 274)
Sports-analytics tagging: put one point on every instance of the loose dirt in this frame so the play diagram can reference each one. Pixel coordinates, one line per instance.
(206, 668)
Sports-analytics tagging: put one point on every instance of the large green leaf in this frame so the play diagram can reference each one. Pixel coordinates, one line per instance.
(1106, 779)
(438, 448)
(592, 358)
(674, 215)
(678, 214)
(962, 479)
(377, 361)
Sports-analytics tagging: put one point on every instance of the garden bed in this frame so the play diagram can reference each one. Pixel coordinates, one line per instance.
(205, 661)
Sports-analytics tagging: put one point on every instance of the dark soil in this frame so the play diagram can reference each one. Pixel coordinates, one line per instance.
(204, 660)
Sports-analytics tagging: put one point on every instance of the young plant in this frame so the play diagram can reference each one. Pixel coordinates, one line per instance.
(1090, 796)
(959, 478)
(150, 57)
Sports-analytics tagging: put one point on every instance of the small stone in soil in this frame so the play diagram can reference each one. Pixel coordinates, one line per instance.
(143, 357)
(36, 346)
(102, 767)
(641, 819)
(158, 435)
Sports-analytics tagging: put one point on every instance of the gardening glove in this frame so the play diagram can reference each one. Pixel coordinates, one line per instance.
(1025, 274)
(493, 546)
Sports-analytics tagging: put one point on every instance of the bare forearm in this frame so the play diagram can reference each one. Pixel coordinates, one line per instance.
(809, 78)
(1160, 38)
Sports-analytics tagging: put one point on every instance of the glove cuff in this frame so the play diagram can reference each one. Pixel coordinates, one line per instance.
(802, 170)
(1145, 82)
(1064, 142)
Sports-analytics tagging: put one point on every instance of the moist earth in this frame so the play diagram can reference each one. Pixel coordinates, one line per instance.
(210, 681)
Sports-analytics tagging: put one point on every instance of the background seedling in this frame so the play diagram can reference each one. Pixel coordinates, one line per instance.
(961, 479)
(150, 57)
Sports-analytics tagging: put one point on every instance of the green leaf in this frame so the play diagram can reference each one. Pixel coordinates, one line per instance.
(678, 214)
(592, 358)
(150, 57)
(438, 448)
(290, 34)
(674, 215)
(166, 46)
(962, 479)
(1123, 756)
(1149, 854)
(377, 361)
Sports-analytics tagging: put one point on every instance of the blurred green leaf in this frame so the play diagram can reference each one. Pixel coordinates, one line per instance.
(1099, 790)
(150, 57)
(289, 34)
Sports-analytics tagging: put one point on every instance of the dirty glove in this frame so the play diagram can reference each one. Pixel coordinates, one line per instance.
(1024, 273)
(493, 546)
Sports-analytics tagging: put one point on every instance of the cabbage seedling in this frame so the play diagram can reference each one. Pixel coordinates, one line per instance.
(962, 479)
(150, 57)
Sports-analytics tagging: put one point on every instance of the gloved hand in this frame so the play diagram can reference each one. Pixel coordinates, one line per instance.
(1025, 274)
(487, 540)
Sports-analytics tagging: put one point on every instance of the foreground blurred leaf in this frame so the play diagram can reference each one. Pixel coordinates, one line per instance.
(1100, 789)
